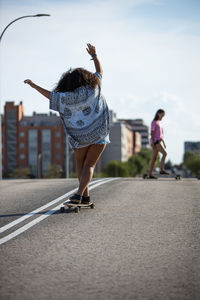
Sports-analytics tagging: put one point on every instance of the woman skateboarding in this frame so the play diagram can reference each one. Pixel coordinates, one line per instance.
(156, 142)
(85, 117)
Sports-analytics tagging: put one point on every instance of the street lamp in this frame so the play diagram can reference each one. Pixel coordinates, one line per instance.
(38, 15)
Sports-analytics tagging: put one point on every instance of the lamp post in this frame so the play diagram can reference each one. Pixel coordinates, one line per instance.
(38, 15)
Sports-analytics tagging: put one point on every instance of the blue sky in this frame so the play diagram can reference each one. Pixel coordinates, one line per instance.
(149, 50)
(170, 10)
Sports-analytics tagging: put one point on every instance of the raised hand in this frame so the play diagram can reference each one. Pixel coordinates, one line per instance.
(28, 81)
(91, 49)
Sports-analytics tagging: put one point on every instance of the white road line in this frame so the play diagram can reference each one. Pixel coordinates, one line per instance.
(30, 214)
(46, 215)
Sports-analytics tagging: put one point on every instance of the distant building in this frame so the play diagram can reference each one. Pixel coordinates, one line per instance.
(137, 142)
(113, 117)
(139, 126)
(12, 116)
(192, 146)
(35, 142)
(124, 142)
(121, 146)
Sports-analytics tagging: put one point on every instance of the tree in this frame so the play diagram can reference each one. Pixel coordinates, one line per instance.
(187, 157)
(192, 162)
(116, 168)
(195, 166)
(136, 165)
(146, 154)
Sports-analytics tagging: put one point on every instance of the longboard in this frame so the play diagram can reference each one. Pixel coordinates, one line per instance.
(76, 207)
(177, 177)
(145, 176)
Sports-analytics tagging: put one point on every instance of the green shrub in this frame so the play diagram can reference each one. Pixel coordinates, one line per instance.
(21, 173)
(116, 169)
(54, 171)
(195, 166)
(192, 162)
(99, 175)
(136, 165)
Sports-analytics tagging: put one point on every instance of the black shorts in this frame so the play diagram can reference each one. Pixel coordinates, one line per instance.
(157, 142)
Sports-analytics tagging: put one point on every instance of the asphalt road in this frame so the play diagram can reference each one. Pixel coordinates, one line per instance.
(140, 242)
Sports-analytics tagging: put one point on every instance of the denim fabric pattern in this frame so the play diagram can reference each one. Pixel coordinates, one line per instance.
(106, 140)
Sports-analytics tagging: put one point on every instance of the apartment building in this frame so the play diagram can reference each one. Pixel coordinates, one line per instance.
(121, 146)
(36, 141)
(137, 142)
(139, 126)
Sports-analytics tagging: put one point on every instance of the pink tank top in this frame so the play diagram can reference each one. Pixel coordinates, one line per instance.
(156, 127)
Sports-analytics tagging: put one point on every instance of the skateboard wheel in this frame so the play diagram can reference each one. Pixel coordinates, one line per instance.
(92, 205)
(76, 210)
(62, 209)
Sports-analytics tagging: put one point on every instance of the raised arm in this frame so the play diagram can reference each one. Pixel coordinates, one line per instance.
(92, 51)
(42, 91)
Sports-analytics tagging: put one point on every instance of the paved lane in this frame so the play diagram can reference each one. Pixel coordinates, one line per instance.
(140, 242)
(22, 196)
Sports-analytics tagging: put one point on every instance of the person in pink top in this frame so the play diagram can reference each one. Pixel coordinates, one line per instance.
(158, 144)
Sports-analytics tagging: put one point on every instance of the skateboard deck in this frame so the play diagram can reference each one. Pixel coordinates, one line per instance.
(145, 176)
(76, 207)
(176, 177)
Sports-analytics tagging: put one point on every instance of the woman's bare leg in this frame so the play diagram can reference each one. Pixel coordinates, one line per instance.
(93, 154)
(164, 154)
(154, 158)
(80, 156)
